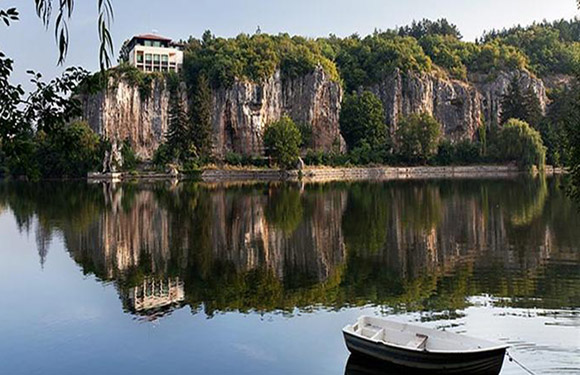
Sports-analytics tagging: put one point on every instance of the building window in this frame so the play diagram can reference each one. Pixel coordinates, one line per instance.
(148, 43)
(140, 57)
(157, 44)
(156, 58)
(147, 57)
(165, 58)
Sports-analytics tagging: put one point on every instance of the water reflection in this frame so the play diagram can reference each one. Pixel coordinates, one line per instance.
(409, 246)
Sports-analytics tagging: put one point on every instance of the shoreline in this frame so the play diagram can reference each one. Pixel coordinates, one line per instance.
(327, 174)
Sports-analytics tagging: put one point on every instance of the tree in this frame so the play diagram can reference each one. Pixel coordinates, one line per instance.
(517, 141)
(521, 104)
(511, 103)
(200, 117)
(417, 138)
(362, 120)
(178, 133)
(427, 27)
(69, 151)
(64, 11)
(282, 140)
(124, 52)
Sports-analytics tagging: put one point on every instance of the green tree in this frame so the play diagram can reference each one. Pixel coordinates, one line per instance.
(69, 151)
(521, 104)
(417, 138)
(178, 132)
(517, 141)
(425, 27)
(200, 117)
(362, 120)
(282, 140)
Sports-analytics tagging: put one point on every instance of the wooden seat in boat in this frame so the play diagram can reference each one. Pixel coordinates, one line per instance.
(418, 342)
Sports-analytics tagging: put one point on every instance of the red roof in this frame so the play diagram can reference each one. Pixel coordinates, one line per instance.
(151, 37)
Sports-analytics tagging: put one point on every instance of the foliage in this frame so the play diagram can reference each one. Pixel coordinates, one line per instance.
(130, 158)
(363, 62)
(461, 153)
(521, 105)
(518, 142)
(551, 47)
(200, 131)
(427, 27)
(362, 121)
(178, 135)
(282, 141)
(254, 57)
(417, 137)
(35, 124)
(163, 155)
(69, 151)
(233, 158)
(44, 10)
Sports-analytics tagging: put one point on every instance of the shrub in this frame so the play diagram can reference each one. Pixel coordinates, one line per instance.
(282, 140)
(518, 142)
(417, 138)
(130, 159)
(163, 155)
(233, 158)
(69, 151)
(362, 121)
(462, 153)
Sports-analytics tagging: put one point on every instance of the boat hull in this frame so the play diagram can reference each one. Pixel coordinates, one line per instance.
(485, 362)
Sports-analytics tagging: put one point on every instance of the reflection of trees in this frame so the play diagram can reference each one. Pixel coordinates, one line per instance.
(408, 245)
(284, 209)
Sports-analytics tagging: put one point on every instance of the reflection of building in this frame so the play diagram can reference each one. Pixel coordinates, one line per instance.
(155, 297)
(153, 53)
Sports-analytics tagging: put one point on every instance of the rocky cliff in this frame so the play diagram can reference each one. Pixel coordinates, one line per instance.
(242, 112)
(460, 106)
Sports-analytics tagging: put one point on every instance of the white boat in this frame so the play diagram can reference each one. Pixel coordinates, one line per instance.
(425, 349)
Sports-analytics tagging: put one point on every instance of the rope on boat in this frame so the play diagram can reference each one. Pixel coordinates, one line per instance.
(512, 359)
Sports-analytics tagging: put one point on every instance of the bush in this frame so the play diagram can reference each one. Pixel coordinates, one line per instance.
(462, 153)
(362, 121)
(282, 140)
(233, 158)
(417, 138)
(163, 155)
(518, 142)
(130, 159)
(70, 151)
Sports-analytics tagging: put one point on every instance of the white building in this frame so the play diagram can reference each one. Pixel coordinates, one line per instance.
(154, 53)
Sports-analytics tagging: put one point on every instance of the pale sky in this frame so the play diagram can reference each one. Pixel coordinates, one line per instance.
(32, 47)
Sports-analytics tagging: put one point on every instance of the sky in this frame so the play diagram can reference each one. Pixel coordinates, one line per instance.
(33, 47)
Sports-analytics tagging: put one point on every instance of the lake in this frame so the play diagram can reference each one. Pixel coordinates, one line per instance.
(167, 278)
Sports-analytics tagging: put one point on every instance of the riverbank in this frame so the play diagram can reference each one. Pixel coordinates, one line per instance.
(322, 174)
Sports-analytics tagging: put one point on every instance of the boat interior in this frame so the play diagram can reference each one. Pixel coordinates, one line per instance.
(415, 337)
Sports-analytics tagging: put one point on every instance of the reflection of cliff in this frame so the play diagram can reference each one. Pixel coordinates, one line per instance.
(149, 234)
(441, 241)
(413, 245)
(133, 230)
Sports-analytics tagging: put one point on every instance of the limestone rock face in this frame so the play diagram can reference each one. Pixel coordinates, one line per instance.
(242, 112)
(123, 112)
(460, 106)
(492, 88)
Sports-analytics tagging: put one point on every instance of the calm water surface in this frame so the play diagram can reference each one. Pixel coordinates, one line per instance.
(259, 279)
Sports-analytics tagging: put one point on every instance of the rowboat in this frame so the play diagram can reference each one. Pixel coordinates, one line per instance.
(423, 349)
